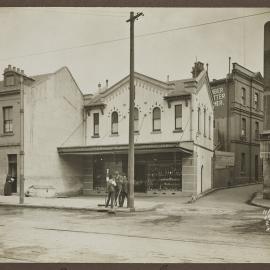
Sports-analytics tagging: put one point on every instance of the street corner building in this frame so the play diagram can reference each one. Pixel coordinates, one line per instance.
(239, 115)
(53, 108)
(173, 135)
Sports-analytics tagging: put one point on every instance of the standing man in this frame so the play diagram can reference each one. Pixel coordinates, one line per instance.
(124, 191)
(111, 191)
(118, 187)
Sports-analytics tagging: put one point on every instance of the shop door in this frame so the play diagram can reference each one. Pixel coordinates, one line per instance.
(256, 168)
(140, 178)
(12, 171)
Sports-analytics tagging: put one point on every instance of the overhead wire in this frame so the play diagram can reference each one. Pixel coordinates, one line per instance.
(136, 36)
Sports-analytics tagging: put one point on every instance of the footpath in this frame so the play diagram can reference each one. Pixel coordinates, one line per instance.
(258, 200)
(91, 203)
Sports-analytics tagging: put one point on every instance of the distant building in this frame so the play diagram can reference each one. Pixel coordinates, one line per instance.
(53, 109)
(173, 135)
(238, 101)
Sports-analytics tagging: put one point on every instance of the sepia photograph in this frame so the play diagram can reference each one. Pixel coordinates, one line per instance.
(134, 135)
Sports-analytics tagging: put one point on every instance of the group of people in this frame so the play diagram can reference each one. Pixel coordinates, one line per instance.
(117, 188)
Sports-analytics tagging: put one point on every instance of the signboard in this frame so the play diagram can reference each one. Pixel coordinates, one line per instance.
(218, 96)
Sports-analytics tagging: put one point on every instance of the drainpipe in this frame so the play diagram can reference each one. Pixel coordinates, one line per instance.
(250, 128)
(21, 140)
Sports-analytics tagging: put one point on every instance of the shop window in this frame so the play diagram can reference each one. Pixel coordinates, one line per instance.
(243, 96)
(136, 120)
(96, 124)
(178, 117)
(114, 123)
(7, 121)
(156, 119)
(256, 101)
(243, 163)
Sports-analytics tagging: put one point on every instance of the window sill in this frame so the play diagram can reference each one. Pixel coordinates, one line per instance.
(114, 135)
(95, 136)
(156, 132)
(136, 133)
(7, 134)
(178, 130)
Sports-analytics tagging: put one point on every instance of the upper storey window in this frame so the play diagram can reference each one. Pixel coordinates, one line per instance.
(244, 96)
(156, 119)
(8, 120)
(256, 101)
(136, 120)
(178, 117)
(114, 123)
(96, 124)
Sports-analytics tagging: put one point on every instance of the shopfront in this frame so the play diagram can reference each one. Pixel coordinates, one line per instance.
(157, 168)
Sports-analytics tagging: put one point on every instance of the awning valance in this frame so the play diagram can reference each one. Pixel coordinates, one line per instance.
(123, 149)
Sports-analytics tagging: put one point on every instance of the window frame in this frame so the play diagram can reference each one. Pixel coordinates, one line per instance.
(113, 123)
(243, 127)
(178, 117)
(244, 96)
(199, 116)
(95, 124)
(157, 119)
(9, 120)
(256, 102)
(136, 119)
(243, 163)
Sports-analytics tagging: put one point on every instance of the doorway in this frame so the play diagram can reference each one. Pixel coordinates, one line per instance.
(140, 178)
(12, 171)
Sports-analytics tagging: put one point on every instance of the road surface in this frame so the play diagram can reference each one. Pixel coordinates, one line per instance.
(220, 227)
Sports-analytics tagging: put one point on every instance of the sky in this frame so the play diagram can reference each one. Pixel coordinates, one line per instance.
(94, 42)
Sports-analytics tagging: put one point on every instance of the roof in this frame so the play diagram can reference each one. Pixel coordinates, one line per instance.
(175, 88)
(179, 88)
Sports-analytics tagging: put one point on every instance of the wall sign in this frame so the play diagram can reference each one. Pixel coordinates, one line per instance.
(218, 96)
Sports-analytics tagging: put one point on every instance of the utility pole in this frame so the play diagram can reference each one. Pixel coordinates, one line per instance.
(21, 140)
(131, 156)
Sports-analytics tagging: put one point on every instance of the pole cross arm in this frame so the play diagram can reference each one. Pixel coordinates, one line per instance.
(133, 18)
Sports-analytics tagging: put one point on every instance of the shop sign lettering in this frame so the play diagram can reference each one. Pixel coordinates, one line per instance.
(218, 96)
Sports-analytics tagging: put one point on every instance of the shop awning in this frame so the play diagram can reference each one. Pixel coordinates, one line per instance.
(123, 149)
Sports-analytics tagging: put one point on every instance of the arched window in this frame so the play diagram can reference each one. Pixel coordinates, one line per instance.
(114, 123)
(156, 119)
(136, 120)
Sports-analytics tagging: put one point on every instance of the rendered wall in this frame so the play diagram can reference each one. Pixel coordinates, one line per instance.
(53, 117)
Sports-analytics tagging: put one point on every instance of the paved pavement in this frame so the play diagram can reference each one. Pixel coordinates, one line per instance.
(91, 203)
(258, 200)
(220, 227)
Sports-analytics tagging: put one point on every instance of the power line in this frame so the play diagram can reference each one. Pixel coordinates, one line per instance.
(137, 36)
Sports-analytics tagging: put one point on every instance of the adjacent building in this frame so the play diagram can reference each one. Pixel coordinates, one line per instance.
(53, 110)
(238, 113)
(174, 139)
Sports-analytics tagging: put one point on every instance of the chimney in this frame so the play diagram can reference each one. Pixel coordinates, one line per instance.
(18, 70)
(107, 84)
(99, 87)
(14, 68)
(197, 69)
(9, 67)
(22, 71)
(168, 78)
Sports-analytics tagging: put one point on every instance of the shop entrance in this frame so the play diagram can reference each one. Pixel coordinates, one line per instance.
(140, 178)
(12, 171)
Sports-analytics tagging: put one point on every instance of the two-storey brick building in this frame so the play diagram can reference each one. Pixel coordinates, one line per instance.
(53, 109)
(173, 134)
(238, 101)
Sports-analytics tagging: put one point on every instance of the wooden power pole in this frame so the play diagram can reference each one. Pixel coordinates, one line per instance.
(131, 156)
